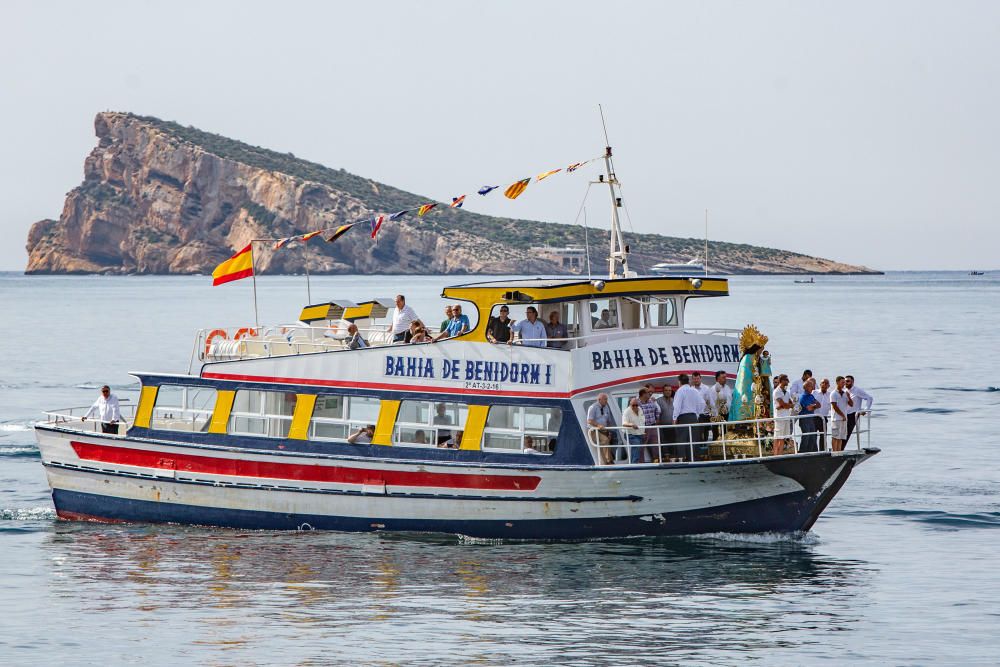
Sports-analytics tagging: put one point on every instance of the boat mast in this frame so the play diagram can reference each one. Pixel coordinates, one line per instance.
(619, 252)
(706, 242)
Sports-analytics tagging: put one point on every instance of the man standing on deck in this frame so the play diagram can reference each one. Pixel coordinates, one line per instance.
(798, 387)
(651, 416)
(666, 403)
(707, 396)
(531, 329)
(859, 396)
(599, 416)
(107, 409)
(840, 402)
(401, 319)
(808, 420)
(688, 403)
(822, 413)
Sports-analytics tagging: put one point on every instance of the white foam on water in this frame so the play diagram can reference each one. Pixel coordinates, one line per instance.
(758, 538)
(27, 514)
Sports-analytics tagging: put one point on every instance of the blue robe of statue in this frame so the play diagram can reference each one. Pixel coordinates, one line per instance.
(742, 405)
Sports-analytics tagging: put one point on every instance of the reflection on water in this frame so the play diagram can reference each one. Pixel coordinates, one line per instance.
(266, 597)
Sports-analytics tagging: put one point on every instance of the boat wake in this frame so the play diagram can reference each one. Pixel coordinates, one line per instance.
(19, 451)
(943, 519)
(987, 390)
(797, 538)
(27, 514)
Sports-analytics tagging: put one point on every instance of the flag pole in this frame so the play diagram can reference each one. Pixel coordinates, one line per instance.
(253, 274)
(308, 286)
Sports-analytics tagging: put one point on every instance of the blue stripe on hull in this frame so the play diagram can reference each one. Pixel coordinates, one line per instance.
(786, 513)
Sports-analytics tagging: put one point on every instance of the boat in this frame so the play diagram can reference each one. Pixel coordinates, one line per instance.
(286, 427)
(694, 267)
(811, 281)
(977, 273)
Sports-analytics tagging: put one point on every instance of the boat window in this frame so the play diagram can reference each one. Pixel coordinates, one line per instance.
(427, 423)
(631, 313)
(335, 417)
(180, 408)
(603, 314)
(262, 413)
(662, 312)
(515, 428)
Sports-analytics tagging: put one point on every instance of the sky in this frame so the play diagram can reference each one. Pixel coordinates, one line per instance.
(865, 132)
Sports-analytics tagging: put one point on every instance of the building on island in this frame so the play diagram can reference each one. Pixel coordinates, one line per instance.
(571, 259)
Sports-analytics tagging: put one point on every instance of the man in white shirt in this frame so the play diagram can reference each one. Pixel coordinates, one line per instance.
(688, 404)
(531, 329)
(107, 409)
(401, 319)
(722, 396)
(707, 396)
(860, 396)
(782, 413)
(840, 403)
(797, 387)
(823, 411)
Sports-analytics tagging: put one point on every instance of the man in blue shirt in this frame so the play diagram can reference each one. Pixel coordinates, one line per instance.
(532, 330)
(809, 423)
(458, 325)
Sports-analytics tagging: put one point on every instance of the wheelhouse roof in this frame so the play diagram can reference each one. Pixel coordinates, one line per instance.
(542, 290)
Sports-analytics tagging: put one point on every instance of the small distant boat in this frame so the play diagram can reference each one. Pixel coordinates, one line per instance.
(805, 282)
(667, 269)
(977, 273)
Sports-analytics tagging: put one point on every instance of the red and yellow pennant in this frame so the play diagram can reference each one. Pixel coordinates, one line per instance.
(425, 209)
(236, 267)
(542, 177)
(340, 231)
(515, 190)
(306, 237)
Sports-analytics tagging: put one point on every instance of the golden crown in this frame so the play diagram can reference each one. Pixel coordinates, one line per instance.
(750, 337)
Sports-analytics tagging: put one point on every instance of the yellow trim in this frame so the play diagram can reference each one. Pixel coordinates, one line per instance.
(484, 297)
(313, 313)
(364, 310)
(386, 420)
(144, 412)
(299, 428)
(223, 406)
(475, 422)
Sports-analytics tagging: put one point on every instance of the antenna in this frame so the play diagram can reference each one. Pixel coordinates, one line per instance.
(619, 251)
(706, 242)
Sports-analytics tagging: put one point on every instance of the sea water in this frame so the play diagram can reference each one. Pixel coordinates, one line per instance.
(901, 569)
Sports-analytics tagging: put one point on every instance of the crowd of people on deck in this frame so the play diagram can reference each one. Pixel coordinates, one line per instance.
(693, 412)
(407, 327)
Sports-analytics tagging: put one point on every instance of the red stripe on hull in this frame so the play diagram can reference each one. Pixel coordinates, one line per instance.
(297, 471)
(66, 515)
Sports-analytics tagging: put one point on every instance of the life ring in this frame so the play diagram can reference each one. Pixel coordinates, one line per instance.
(213, 334)
(245, 332)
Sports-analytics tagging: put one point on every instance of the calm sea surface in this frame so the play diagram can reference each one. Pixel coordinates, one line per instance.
(902, 568)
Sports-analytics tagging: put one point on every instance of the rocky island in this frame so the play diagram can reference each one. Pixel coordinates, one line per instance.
(159, 197)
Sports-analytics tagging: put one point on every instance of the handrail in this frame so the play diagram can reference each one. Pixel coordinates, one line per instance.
(230, 343)
(731, 438)
(62, 417)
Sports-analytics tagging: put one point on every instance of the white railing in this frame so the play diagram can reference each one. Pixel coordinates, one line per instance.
(248, 342)
(746, 439)
(72, 418)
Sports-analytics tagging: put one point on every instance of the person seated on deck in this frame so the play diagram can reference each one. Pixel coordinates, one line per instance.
(420, 437)
(532, 331)
(447, 317)
(454, 442)
(441, 418)
(355, 341)
(605, 321)
(498, 329)
(458, 325)
(557, 331)
(418, 333)
(363, 436)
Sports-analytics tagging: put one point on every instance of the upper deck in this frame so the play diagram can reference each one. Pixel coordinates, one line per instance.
(592, 311)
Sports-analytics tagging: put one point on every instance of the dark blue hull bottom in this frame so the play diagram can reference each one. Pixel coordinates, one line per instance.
(789, 512)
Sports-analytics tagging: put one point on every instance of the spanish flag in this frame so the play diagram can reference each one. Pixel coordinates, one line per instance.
(515, 190)
(238, 266)
(425, 209)
(338, 232)
(546, 174)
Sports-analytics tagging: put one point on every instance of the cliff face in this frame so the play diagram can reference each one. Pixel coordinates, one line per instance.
(161, 198)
